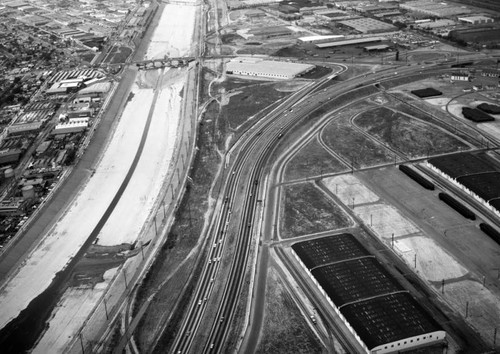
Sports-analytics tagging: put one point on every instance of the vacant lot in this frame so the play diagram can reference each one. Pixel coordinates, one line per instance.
(307, 210)
(250, 100)
(353, 146)
(285, 330)
(312, 160)
(117, 55)
(410, 136)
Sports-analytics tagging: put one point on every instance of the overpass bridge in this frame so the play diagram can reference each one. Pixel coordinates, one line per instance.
(164, 62)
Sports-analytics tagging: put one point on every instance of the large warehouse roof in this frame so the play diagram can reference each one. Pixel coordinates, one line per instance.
(320, 38)
(388, 319)
(355, 280)
(266, 68)
(484, 185)
(326, 250)
(371, 300)
(463, 164)
(350, 42)
(367, 25)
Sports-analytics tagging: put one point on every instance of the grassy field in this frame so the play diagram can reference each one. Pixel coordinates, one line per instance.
(312, 160)
(233, 84)
(354, 146)
(307, 210)
(410, 136)
(285, 330)
(426, 112)
(249, 102)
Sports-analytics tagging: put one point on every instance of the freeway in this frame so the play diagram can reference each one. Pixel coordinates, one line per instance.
(251, 338)
(243, 152)
(251, 155)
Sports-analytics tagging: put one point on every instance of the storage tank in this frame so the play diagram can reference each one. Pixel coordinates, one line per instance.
(28, 192)
(9, 173)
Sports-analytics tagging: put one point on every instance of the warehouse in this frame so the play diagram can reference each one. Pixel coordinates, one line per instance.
(382, 315)
(73, 126)
(271, 32)
(376, 48)
(349, 42)
(475, 20)
(257, 67)
(368, 25)
(427, 92)
(476, 115)
(320, 39)
(475, 174)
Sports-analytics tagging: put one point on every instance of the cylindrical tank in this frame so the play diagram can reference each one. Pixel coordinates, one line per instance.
(9, 173)
(28, 192)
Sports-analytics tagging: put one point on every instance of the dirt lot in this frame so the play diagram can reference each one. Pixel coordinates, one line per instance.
(353, 146)
(307, 210)
(312, 160)
(243, 104)
(410, 136)
(285, 329)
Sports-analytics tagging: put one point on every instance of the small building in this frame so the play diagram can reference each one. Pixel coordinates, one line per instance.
(476, 20)
(460, 77)
(11, 206)
(489, 108)
(24, 128)
(320, 39)
(73, 126)
(376, 48)
(271, 32)
(350, 42)
(9, 156)
(427, 92)
(368, 25)
(254, 13)
(79, 114)
(490, 73)
(476, 115)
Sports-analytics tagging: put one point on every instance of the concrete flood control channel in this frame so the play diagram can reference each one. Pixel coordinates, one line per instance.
(22, 332)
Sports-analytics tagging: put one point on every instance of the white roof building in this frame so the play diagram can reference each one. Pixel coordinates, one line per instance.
(474, 20)
(317, 39)
(258, 67)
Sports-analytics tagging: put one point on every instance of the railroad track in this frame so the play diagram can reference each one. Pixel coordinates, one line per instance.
(254, 146)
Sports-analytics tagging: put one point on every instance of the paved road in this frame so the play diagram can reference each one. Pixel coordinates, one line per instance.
(258, 300)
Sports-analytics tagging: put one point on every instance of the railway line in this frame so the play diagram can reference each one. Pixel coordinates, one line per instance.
(250, 157)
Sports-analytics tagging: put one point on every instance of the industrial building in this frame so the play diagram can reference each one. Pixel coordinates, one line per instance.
(376, 48)
(375, 308)
(320, 39)
(73, 126)
(460, 77)
(475, 20)
(271, 32)
(368, 25)
(258, 67)
(475, 174)
(434, 9)
(350, 42)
